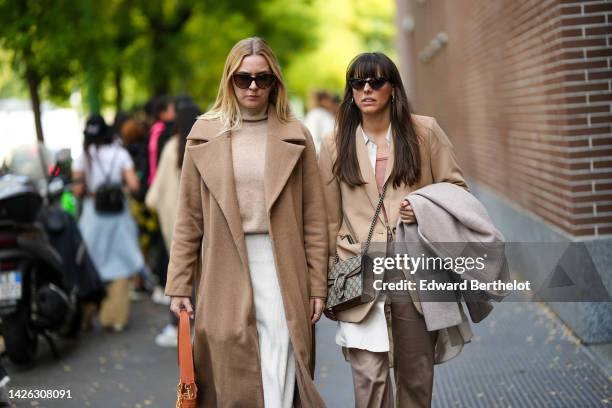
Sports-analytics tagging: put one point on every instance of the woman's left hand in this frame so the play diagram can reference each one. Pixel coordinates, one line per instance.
(406, 213)
(316, 309)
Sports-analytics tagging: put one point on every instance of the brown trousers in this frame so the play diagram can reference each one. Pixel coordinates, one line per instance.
(115, 307)
(413, 360)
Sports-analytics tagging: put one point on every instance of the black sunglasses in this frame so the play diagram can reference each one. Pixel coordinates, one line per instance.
(375, 83)
(263, 81)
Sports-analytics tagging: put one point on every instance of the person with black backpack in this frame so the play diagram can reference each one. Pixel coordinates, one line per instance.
(101, 174)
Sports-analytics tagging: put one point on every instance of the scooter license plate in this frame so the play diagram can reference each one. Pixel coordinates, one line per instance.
(10, 285)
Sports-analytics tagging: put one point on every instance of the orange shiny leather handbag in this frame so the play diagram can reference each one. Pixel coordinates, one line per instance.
(186, 390)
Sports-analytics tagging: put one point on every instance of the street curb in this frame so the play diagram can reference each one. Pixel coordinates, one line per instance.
(600, 358)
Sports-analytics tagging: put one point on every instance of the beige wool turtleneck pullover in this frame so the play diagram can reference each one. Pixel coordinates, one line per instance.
(248, 159)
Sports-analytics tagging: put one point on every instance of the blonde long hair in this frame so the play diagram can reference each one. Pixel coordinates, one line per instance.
(226, 108)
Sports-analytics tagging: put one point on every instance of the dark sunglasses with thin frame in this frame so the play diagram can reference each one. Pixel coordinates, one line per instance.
(244, 81)
(375, 83)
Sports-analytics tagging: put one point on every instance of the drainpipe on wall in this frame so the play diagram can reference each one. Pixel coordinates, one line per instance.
(405, 45)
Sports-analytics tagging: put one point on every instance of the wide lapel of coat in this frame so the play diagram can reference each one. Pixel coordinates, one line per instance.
(284, 146)
(213, 158)
(367, 172)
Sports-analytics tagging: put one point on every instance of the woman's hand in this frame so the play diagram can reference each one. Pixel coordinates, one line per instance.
(316, 309)
(131, 179)
(78, 187)
(178, 303)
(406, 213)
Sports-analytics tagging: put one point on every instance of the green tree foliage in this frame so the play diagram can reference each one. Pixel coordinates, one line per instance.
(179, 47)
(119, 53)
(286, 26)
(11, 85)
(345, 28)
(41, 46)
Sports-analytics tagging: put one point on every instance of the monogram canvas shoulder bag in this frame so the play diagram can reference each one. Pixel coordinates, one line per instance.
(345, 277)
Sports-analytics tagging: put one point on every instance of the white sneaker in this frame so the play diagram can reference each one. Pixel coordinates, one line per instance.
(137, 295)
(118, 327)
(168, 337)
(4, 377)
(159, 297)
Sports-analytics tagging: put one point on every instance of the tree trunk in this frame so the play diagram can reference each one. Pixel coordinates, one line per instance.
(118, 91)
(33, 84)
(161, 87)
(159, 74)
(162, 31)
(93, 93)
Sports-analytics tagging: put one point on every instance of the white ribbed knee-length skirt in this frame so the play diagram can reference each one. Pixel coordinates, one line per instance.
(277, 359)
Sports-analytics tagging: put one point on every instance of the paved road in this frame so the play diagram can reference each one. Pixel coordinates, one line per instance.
(520, 357)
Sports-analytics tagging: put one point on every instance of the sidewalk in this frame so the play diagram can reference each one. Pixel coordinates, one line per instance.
(106, 370)
(521, 356)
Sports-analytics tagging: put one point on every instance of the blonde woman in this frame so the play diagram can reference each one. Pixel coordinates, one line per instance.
(251, 214)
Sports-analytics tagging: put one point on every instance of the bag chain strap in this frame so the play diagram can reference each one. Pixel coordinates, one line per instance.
(372, 224)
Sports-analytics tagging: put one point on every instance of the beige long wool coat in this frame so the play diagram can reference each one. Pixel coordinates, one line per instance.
(208, 233)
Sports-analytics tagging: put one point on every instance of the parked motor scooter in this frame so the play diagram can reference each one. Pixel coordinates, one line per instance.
(39, 292)
(34, 296)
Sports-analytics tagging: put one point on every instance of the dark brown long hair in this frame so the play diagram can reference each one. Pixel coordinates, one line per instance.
(186, 115)
(407, 160)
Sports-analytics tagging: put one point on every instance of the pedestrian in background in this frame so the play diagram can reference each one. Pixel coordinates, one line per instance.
(164, 113)
(164, 192)
(380, 146)
(162, 129)
(134, 139)
(111, 238)
(320, 119)
(132, 135)
(251, 215)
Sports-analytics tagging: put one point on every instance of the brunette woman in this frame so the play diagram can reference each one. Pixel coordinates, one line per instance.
(379, 147)
(163, 193)
(251, 214)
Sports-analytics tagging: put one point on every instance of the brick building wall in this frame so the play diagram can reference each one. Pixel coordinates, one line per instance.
(523, 89)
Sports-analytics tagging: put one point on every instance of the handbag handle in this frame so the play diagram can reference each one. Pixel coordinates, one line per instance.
(186, 389)
(372, 224)
(185, 355)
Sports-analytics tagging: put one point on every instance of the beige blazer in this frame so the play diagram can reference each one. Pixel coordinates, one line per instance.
(350, 210)
(208, 232)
